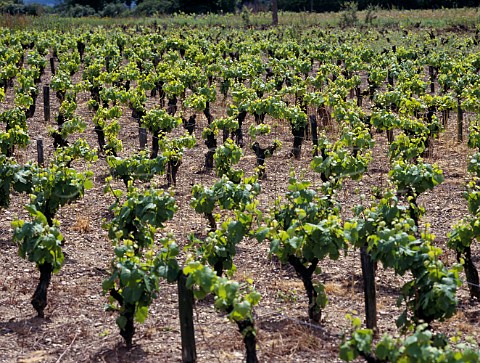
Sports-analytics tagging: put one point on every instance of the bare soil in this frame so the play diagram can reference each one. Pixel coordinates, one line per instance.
(77, 328)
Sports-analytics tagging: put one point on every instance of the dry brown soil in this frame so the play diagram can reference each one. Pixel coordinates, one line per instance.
(77, 328)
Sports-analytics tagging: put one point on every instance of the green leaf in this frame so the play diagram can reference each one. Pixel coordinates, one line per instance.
(107, 285)
(236, 231)
(253, 298)
(125, 275)
(192, 267)
(141, 313)
(262, 233)
(294, 242)
(241, 311)
(347, 353)
(363, 339)
(132, 294)
(88, 184)
(384, 347)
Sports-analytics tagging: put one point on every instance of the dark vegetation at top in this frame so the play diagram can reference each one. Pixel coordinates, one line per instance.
(117, 8)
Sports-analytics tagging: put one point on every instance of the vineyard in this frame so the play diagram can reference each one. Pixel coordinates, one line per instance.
(239, 193)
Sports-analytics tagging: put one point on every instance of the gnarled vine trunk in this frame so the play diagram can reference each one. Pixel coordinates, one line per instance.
(210, 142)
(314, 311)
(471, 272)
(39, 298)
(128, 331)
(298, 136)
(247, 329)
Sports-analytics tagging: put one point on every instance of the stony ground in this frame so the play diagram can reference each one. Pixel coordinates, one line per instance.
(77, 328)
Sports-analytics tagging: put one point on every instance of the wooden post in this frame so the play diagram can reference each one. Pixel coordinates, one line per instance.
(359, 96)
(313, 126)
(52, 65)
(390, 79)
(445, 115)
(459, 123)
(40, 158)
(46, 102)
(142, 135)
(185, 309)
(431, 73)
(274, 12)
(351, 93)
(368, 272)
(390, 135)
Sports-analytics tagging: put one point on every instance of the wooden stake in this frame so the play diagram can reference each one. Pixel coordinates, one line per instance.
(368, 272)
(459, 123)
(358, 93)
(431, 74)
(142, 135)
(40, 158)
(46, 102)
(274, 12)
(52, 65)
(185, 308)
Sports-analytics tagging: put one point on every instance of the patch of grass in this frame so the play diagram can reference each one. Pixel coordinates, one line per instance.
(82, 224)
(332, 288)
(454, 19)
